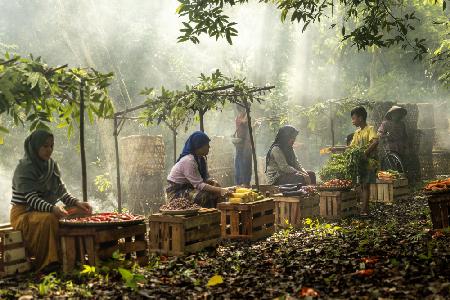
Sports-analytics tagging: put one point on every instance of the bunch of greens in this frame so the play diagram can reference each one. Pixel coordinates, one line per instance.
(347, 165)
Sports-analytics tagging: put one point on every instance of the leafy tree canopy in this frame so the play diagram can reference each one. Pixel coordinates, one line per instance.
(31, 91)
(364, 23)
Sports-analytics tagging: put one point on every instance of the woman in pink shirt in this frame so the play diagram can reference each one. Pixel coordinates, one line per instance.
(189, 176)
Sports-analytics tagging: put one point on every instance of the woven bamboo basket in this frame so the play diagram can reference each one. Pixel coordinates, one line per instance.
(441, 162)
(143, 172)
(426, 116)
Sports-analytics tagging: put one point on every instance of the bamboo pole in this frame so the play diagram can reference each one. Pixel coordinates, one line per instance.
(250, 131)
(116, 145)
(82, 147)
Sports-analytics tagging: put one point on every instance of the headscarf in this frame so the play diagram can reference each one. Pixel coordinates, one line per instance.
(33, 173)
(195, 141)
(284, 134)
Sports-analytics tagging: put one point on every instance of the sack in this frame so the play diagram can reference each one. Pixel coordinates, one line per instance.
(236, 140)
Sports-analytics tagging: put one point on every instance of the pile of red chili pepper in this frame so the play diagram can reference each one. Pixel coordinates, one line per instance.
(106, 218)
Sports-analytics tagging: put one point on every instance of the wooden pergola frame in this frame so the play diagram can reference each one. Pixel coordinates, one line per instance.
(227, 91)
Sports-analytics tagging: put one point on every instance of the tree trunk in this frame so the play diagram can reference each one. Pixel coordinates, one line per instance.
(250, 131)
(174, 136)
(82, 149)
(201, 116)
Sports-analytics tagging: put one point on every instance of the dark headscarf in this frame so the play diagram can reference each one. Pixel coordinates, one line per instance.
(284, 134)
(33, 173)
(195, 141)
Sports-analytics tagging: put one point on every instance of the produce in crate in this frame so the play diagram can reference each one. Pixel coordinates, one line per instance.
(388, 175)
(180, 204)
(244, 195)
(438, 186)
(110, 217)
(336, 184)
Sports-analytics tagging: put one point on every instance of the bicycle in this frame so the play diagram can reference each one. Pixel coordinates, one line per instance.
(389, 160)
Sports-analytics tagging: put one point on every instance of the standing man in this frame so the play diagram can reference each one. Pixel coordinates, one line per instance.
(365, 136)
(241, 140)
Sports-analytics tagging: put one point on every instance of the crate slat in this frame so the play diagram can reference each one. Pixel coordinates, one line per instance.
(440, 210)
(241, 221)
(389, 191)
(338, 204)
(118, 233)
(179, 235)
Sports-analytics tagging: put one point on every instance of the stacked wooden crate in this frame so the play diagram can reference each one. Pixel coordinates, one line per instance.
(338, 204)
(290, 211)
(13, 258)
(389, 191)
(252, 221)
(179, 235)
(440, 210)
(92, 243)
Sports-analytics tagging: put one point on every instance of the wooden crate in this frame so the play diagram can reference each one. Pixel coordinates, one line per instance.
(294, 209)
(179, 235)
(91, 244)
(439, 208)
(338, 204)
(13, 258)
(253, 221)
(389, 191)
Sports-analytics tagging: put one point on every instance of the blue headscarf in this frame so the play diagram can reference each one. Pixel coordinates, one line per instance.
(195, 141)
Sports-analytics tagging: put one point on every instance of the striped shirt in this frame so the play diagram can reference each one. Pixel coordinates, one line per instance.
(35, 201)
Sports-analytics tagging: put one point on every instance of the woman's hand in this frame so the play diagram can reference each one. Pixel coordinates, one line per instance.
(86, 207)
(225, 192)
(212, 182)
(60, 212)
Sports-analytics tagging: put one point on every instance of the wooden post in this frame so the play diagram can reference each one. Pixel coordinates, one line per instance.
(332, 124)
(82, 148)
(250, 131)
(116, 144)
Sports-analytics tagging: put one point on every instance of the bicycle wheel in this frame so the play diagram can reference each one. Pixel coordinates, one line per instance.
(392, 161)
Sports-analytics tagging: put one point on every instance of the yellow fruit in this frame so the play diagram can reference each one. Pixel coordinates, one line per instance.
(235, 200)
(242, 190)
(239, 195)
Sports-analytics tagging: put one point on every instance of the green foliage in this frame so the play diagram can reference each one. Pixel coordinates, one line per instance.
(364, 23)
(131, 279)
(31, 91)
(347, 165)
(89, 271)
(103, 183)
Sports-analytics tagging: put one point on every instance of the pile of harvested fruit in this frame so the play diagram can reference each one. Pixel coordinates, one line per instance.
(337, 184)
(438, 186)
(110, 217)
(388, 175)
(244, 195)
(180, 204)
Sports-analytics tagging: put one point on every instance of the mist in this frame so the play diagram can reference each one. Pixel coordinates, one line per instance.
(137, 40)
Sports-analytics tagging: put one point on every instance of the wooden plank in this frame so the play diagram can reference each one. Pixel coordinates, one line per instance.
(166, 218)
(263, 220)
(13, 237)
(14, 254)
(68, 253)
(265, 232)
(74, 231)
(234, 223)
(16, 269)
(90, 250)
(178, 237)
(123, 232)
(263, 206)
(193, 248)
(210, 218)
(128, 247)
(204, 233)
(223, 222)
(294, 199)
(13, 246)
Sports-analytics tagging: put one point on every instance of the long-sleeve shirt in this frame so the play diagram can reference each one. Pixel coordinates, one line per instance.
(39, 201)
(277, 165)
(186, 171)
